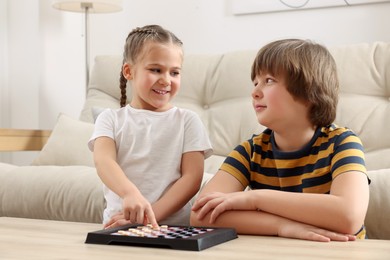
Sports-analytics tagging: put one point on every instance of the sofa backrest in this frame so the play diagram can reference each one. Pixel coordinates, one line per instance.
(218, 88)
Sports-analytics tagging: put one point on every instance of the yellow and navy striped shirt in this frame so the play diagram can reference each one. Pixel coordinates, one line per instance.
(333, 150)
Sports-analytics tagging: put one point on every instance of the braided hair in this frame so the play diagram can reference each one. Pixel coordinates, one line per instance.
(135, 42)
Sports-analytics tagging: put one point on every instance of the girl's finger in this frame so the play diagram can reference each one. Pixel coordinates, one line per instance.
(151, 217)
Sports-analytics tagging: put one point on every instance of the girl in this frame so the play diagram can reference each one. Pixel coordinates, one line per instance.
(149, 154)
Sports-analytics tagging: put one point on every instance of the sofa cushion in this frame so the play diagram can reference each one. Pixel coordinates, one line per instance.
(364, 72)
(5, 167)
(71, 193)
(378, 214)
(67, 144)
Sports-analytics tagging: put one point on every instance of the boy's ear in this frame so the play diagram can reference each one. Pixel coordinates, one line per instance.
(126, 71)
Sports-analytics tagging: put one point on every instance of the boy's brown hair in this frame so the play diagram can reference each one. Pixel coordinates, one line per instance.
(309, 71)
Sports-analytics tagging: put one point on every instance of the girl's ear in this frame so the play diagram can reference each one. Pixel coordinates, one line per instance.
(126, 71)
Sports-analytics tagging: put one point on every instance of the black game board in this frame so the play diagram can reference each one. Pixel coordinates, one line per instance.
(173, 237)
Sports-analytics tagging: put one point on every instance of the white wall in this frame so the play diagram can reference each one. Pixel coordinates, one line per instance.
(22, 62)
(4, 102)
(20, 55)
(45, 48)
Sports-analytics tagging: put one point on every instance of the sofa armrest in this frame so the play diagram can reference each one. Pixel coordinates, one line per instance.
(12, 140)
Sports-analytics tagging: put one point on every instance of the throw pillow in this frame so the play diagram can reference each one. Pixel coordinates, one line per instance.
(67, 144)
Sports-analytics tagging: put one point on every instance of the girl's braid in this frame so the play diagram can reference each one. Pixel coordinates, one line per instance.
(122, 86)
(143, 31)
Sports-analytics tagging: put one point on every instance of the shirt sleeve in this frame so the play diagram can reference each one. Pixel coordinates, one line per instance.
(104, 126)
(348, 155)
(237, 163)
(195, 135)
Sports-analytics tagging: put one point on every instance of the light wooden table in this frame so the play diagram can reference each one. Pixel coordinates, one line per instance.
(43, 239)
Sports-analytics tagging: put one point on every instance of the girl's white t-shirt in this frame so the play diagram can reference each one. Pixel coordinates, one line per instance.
(149, 147)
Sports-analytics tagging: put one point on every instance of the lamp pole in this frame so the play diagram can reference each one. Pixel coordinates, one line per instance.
(86, 7)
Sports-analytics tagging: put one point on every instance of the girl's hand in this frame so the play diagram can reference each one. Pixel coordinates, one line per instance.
(136, 209)
(217, 203)
(117, 220)
(291, 229)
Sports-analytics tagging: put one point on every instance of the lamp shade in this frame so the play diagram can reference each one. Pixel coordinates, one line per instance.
(94, 6)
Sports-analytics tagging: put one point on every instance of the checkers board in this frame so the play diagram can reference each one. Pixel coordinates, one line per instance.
(172, 237)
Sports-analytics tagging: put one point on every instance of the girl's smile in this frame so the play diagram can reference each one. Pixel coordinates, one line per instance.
(161, 92)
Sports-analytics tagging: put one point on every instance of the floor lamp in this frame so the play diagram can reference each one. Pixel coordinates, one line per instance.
(87, 7)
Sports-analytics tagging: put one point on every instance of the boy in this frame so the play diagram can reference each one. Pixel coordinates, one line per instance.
(307, 176)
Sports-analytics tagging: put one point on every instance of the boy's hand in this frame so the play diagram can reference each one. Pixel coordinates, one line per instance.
(298, 230)
(217, 203)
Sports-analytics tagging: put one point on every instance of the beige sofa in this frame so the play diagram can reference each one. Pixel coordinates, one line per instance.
(61, 183)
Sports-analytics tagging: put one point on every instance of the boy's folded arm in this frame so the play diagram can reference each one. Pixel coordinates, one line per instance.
(245, 222)
(265, 224)
(343, 210)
